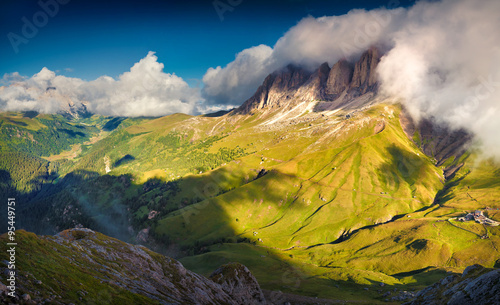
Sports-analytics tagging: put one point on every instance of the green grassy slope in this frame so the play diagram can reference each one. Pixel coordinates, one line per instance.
(321, 194)
(39, 134)
(308, 203)
(74, 281)
(309, 207)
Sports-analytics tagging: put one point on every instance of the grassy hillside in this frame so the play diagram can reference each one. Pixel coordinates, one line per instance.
(321, 204)
(320, 192)
(39, 134)
(49, 256)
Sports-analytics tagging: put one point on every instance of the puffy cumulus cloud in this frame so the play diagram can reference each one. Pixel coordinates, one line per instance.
(309, 43)
(19, 99)
(237, 81)
(25, 94)
(445, 63)
(9, 78)
(145, 90)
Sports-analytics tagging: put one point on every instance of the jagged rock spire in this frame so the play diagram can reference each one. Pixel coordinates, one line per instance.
(344, 81)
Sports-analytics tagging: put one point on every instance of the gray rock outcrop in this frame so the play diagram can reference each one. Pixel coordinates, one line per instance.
(342, 83)
(237, 281)
(477, 285)
(339, 79)
(137, 274)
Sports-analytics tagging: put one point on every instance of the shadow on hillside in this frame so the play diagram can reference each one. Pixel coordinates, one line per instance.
(348, 234)
(410, 273)
(113, 205)
(445, 194)
(81, 198)
(18, 123)
(6, 191)
(402, 165)
(72, 133)
(113, 124)
(442, 196)
(29, 114)
(194, 209)
(5, 179)
(124, 160)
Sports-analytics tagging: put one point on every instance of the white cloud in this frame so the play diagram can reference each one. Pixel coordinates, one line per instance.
(445, 63)
(237, 81)
(9, 78)
(143, 91)
(328, 39)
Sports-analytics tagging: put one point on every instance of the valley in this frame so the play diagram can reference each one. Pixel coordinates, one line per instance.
(322, 188)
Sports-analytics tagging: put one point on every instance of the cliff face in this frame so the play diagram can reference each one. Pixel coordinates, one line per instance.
(437, 141)
(477, 285)
(343, 82)
(83, 266)
(277, 87)
(364, 77)
(237, 281)
(339, 79)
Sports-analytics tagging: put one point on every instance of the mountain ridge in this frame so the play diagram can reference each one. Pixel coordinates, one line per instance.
(340, 84)
(94, 268)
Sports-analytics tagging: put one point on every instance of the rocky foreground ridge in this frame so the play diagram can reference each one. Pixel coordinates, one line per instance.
(477, 285)
(81, 266)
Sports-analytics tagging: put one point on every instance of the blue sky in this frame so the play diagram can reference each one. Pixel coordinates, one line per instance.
(88, 39)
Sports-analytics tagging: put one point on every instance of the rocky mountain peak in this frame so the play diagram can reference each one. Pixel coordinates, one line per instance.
(314, 87)
(323, 72)
(365, 75)
(342, 83)
(321, 75)
(339, 78)
(275, 87)
(289, 78)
